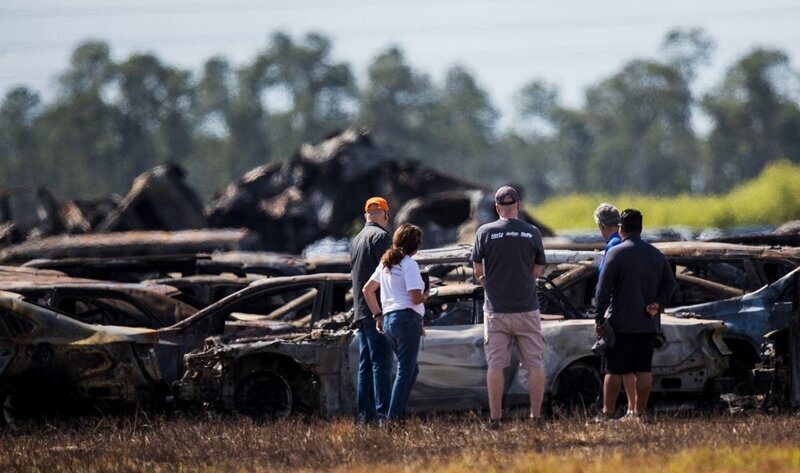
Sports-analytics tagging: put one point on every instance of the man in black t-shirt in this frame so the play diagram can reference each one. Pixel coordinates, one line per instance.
(507, 257)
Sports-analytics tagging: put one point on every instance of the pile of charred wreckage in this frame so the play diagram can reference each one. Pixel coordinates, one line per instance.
(153, 302)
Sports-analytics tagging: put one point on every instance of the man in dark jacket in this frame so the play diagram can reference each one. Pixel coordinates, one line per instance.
(375, 353)
(635, 284)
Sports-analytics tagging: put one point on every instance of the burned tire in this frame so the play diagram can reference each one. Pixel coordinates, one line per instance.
(577, 389)
(264, 395)
(19, 406)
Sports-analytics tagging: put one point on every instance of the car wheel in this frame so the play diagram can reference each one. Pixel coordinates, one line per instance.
(577, 388)
(17, 406)
(264, 394)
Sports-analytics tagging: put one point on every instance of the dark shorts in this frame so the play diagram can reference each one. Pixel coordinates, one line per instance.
(631, 353)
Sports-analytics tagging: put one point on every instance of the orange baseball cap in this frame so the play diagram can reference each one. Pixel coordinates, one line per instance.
(379, 201)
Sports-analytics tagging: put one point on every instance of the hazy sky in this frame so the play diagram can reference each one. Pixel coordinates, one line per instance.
(505, 43)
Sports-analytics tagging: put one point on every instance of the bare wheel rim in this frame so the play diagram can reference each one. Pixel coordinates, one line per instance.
(264, 395)
(579, 386)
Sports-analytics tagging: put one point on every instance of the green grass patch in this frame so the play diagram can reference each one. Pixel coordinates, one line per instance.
(770, 199)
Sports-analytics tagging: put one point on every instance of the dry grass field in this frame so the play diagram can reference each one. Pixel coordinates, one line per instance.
(742, 443)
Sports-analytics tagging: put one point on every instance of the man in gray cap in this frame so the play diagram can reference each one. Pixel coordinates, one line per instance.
(507, 257)
(606, 216)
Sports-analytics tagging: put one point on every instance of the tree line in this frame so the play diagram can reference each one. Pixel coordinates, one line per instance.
(111, 120)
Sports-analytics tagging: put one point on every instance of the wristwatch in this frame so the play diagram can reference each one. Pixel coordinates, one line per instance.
(379, 314)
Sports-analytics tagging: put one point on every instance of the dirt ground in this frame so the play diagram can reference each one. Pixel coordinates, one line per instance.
(724, 442)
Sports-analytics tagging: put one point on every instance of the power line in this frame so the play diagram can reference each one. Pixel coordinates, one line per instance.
(446, 30)
(217, 7)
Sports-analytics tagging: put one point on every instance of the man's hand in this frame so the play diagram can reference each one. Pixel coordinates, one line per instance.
(654, 308)
(597, 330)
(379, 323)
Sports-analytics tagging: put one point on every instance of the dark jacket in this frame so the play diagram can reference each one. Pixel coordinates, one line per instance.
(634, 275)
(365, 254)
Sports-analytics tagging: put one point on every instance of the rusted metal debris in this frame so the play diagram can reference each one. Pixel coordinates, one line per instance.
(320, 191)
(134, 243)
(158, 200)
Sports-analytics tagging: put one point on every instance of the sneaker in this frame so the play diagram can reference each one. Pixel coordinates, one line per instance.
(601, 419)
(537, 421)
(491, 425)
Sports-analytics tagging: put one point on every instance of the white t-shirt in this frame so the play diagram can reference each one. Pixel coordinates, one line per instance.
(395, 284)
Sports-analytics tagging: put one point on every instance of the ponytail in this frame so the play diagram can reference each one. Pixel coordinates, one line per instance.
(406, 241)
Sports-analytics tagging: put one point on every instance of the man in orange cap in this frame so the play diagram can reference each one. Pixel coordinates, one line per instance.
(375, 354)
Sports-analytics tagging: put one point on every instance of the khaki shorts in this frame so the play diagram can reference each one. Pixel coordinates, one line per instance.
(523, 327)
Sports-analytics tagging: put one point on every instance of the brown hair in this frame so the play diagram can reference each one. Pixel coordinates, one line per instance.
(405, 241)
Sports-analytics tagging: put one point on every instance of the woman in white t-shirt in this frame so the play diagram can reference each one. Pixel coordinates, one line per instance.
(402, 299)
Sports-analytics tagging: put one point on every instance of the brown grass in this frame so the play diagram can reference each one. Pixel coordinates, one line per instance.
(458, 443)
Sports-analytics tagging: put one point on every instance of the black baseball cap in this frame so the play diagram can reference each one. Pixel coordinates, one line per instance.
(506, 195)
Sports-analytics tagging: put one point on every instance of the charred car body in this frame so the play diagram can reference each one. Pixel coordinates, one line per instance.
(314, 369)
(51, 363)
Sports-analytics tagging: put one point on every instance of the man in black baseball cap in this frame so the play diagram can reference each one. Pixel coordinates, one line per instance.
(507, 257)
(506, 195)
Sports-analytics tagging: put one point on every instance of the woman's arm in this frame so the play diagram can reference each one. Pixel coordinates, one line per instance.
(417, 297)
(371, 296)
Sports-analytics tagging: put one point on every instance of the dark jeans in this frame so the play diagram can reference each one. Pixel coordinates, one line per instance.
(403, 330)
(374, 372)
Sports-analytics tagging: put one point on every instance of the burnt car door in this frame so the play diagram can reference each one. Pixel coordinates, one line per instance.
(452, 364)
(271, 307)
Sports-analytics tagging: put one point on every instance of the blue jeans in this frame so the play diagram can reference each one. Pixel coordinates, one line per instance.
(374, 372)
(403, 330)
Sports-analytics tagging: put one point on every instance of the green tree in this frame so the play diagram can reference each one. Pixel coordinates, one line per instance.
(756, 118)
(308, 95)
(462, 125)
(559, 134)
(212, 166)
(396, 103)
(687, 49)
(18, 143)
(642, 136)
(156, 103)
(79, 131)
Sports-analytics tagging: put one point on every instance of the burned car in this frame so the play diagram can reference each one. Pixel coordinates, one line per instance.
(98, 302)
(203, 290)
(52, 364)
(704, 272)
(314, 368)
(108, 303)
(749, 318)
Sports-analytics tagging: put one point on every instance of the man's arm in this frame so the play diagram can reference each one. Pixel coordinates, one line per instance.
(537, 271)
(605, 286)
(477, 272)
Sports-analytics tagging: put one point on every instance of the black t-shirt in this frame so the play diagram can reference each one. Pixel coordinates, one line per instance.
(509, 249)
